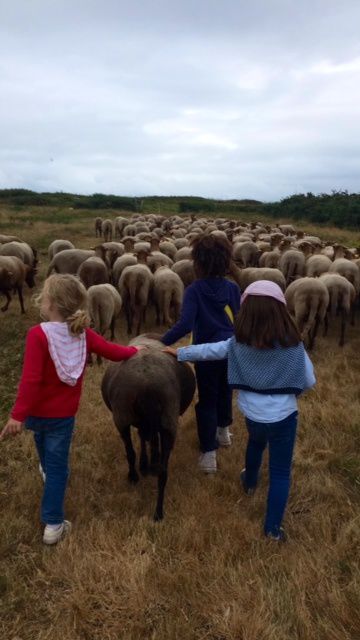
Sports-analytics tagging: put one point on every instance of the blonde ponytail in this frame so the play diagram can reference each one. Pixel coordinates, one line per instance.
(70, 297)
(77, 322)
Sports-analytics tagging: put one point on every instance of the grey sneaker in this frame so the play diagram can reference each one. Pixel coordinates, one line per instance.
(53, 533)
(207, 462)
(42, 473)
(224, 436)
(280, 536)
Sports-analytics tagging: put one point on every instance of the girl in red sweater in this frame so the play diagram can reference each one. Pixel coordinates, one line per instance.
(49, 392)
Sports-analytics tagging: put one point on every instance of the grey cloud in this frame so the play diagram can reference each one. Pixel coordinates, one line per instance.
(205, 98)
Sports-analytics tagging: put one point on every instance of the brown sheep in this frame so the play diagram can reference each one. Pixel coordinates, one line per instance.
(349, 270)
(246, 254)
(342, 298)
(307, 300)
(292, 264)
(13, 274)
(149, 391)
(244, 277)
(127, 260)
(104, 304)
(168, 293)
(119, 225)
(98, 227)
(168, 248)
(135, 285)
(316, 265)
(107, 230)
(69, 260)
(269, 259)
(93, 271)
(59, 245)
(4, 239)
(27, 254)
(185, 269)
(158, 259)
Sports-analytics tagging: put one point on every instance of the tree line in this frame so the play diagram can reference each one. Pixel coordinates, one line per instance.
(339, 208)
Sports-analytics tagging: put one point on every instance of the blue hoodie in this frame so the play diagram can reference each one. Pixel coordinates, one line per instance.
(207, 307)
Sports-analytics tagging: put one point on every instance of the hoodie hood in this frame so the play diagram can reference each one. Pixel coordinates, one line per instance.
(213, 289)
(67, 352)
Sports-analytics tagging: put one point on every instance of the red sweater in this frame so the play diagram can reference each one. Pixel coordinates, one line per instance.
(41, 393)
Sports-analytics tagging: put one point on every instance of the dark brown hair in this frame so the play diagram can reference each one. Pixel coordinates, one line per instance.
(211, 255)
(264, 322)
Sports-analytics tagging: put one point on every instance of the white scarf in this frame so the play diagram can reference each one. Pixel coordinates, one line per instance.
(67, 352)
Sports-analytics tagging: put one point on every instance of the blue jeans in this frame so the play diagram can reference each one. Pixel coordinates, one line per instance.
(214, 408)
(280, 436)
(52, 438)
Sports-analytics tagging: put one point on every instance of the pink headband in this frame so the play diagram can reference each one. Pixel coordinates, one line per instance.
(264, 288)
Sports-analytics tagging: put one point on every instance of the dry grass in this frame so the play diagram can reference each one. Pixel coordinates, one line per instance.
(205, 572)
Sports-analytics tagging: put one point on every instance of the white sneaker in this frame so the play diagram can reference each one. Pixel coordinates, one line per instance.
(42, 473)
(53, 532)
(207, 462)
(224, 436)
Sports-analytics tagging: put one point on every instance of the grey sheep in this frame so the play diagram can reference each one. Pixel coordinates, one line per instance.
(149, 391)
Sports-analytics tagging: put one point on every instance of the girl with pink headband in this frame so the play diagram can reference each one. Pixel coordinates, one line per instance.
(267, 362)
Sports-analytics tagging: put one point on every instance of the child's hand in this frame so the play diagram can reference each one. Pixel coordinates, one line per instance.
(12, 428)
(173, 352)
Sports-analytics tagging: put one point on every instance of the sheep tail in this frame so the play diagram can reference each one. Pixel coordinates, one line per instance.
(148, 411)
(312, 315)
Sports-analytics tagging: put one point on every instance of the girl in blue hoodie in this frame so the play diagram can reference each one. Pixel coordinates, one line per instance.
(209, 307)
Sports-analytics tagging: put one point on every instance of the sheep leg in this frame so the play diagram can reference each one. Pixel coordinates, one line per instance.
(155, 454)
(112, 328)
(326, 325)
(352, 316)
(167, 442)
(313, 333)
(21, 299)
(342, 330)
(144, 463)
(130, 454)
(128, 318)
(6, 305)
(157, 309)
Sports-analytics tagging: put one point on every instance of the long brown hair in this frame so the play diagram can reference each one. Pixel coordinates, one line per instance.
(264, 322)
(211, 255)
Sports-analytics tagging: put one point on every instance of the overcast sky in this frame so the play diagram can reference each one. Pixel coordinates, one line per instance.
(218, 98)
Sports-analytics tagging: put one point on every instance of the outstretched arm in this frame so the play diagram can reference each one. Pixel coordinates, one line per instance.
(209, 351)
(109, 350)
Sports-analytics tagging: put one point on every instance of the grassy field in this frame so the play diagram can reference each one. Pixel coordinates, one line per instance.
(205, 572)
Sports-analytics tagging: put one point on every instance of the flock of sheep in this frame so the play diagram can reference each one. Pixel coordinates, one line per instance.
(149, 262)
